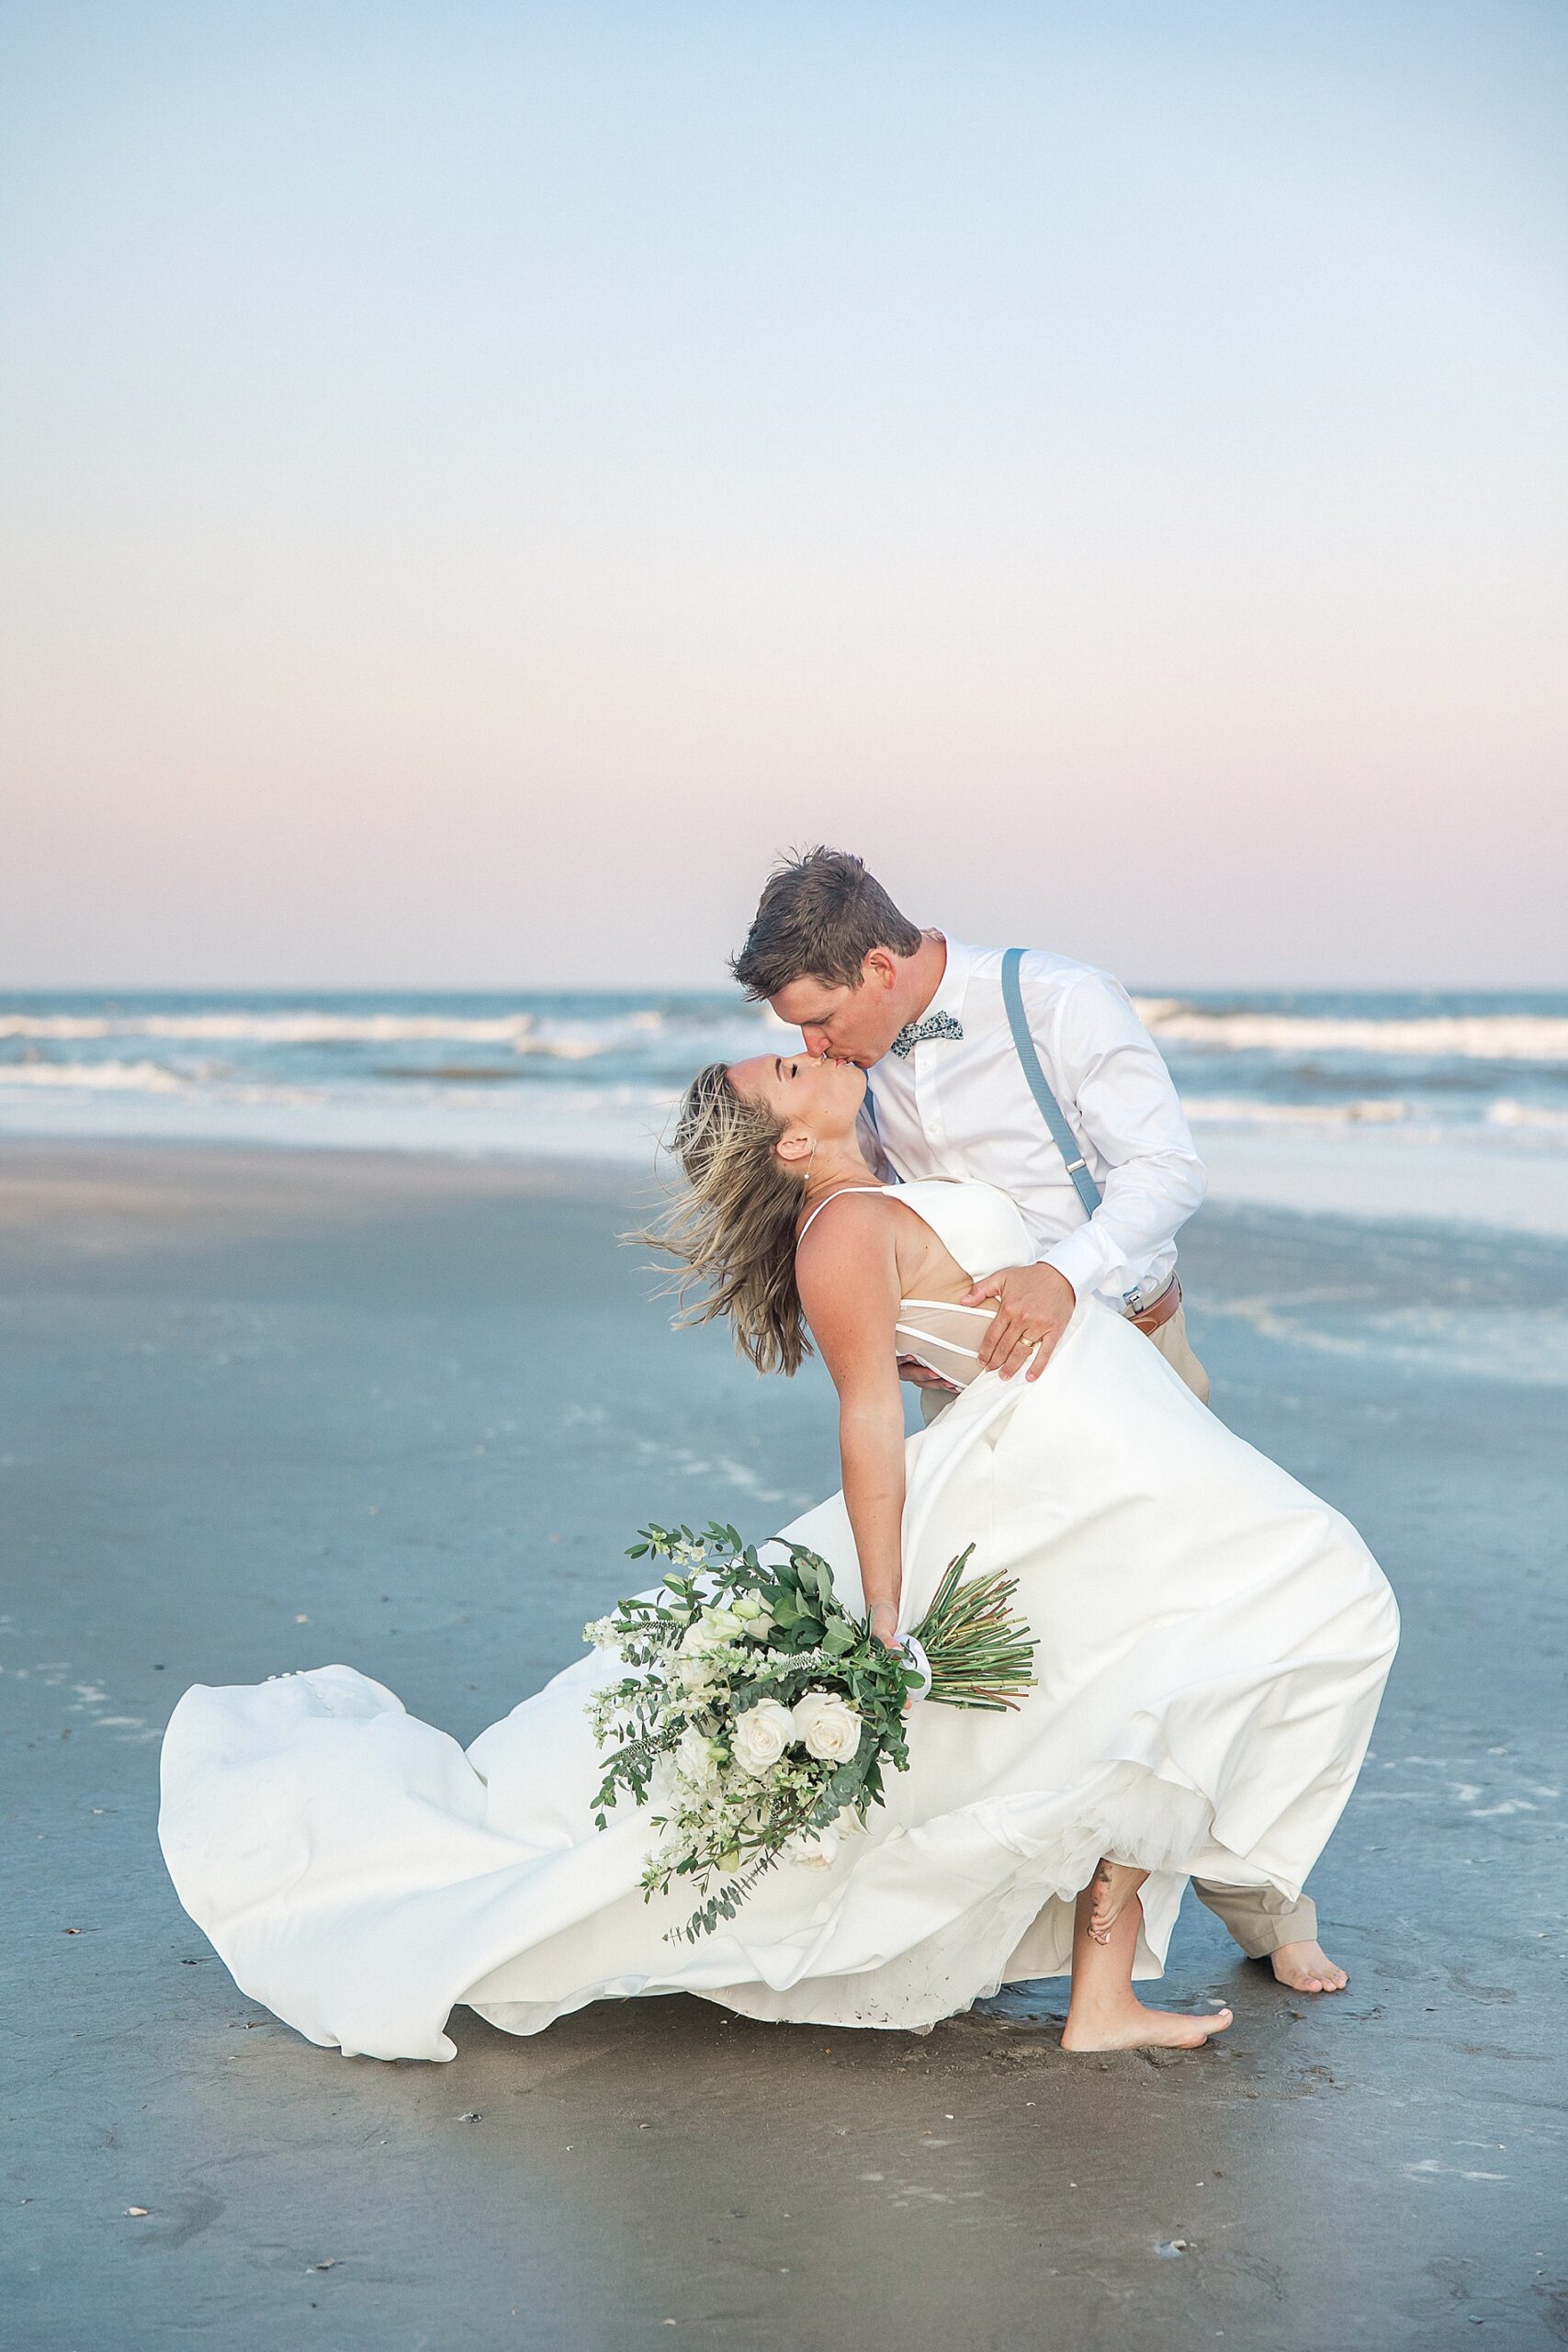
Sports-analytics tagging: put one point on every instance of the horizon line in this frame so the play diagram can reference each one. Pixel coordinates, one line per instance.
(699, 988)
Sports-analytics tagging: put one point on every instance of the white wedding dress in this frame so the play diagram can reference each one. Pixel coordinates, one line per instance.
(1212, 1643)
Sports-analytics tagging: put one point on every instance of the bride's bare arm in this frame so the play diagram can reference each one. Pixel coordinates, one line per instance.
(848, 1290)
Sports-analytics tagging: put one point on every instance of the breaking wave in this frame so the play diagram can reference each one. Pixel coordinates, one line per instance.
(1542, 1038)
(520, 1031)
(135, 1077)
(1481, 1037)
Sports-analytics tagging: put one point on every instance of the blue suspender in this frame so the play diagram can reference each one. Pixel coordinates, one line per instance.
(1051, 1109)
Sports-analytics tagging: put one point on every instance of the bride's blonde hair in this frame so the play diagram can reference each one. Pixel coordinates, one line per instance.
(732, 1226)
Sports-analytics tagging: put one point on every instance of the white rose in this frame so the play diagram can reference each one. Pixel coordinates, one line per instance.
(811, 1850)
(713, 1627)
(827, 1725)
(761, 1735)
(694, 1676)
(696, 1756)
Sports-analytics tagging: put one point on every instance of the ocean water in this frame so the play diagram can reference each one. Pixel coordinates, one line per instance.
(1428, 1103)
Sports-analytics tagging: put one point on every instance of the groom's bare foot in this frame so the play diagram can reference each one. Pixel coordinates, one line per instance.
(1111, 1890)
(1307, 1968)
(1129, 2025)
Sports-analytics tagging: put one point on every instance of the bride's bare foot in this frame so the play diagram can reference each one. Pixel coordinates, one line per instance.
(1104, 2013)
(1111, 1890)
(1129, 2025)
(1307, 1968)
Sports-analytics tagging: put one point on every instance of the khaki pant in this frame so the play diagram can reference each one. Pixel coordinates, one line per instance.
(1260, 1917)
(1175, 1348)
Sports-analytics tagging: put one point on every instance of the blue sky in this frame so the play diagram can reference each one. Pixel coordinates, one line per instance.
(481, 480)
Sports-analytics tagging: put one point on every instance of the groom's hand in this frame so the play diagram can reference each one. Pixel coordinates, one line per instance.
(1035, 1305)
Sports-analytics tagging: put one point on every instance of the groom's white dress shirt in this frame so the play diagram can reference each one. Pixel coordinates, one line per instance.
(961, 1106)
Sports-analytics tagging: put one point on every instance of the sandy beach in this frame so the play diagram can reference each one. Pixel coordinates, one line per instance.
(263, 1409)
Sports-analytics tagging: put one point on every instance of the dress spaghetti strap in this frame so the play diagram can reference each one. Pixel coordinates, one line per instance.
(833, 1196)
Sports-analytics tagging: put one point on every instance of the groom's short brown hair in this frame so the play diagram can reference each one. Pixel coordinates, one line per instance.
(819, 918)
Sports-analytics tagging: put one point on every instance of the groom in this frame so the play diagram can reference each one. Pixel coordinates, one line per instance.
(949, 1093)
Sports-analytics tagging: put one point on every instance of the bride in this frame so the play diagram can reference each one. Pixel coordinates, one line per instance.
(1211, 1644)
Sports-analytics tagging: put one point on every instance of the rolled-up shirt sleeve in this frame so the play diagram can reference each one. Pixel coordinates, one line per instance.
(1120, 1099)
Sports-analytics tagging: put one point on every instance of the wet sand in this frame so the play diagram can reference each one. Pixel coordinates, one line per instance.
(260, 1411)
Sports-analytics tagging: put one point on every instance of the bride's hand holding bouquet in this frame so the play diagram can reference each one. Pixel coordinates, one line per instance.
(760, 1713)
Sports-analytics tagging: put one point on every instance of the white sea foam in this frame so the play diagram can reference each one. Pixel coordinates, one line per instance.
(330, 1028)
(1536, 1122)
(1501, 1037)
(54, 1025)
(138, 1077)
(1482, 1036)
(1231, 1108)
(1536, 1117)
(304, 1028)
(569, 1040)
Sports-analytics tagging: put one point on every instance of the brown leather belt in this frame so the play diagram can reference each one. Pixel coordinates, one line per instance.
(1162, 1310)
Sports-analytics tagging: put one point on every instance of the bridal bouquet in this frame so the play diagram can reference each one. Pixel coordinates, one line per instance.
(761, 1715)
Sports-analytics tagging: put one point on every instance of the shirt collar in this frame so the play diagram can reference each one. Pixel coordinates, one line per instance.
(949, 997)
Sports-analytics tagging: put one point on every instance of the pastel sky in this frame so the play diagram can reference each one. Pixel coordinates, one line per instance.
(478, 480)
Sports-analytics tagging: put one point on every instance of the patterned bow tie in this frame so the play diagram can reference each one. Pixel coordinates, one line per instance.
(935, 1025)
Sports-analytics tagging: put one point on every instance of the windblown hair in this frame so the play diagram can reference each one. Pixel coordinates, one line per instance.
(819, 918)
(731, 1229)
